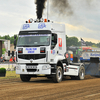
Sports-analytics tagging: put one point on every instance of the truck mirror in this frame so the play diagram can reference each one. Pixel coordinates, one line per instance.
(54, 41)
(55, 36)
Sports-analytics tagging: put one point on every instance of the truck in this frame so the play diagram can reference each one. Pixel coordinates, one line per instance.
(41, 50)
(86, 49)
(77, 51)
(91, 60)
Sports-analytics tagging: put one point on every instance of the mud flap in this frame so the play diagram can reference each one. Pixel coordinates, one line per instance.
(93, 68)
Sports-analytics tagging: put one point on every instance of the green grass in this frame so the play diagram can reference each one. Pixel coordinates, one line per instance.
(10, 74)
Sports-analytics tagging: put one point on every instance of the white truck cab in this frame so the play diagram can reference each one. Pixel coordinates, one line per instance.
(41, 49)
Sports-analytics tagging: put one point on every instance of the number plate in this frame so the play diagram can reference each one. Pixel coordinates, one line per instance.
(31, 67)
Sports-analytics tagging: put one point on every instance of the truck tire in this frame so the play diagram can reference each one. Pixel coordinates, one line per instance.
(25, 78)
(81, 74)
(59, 75)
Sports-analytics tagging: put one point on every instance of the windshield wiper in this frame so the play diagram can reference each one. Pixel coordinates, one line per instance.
(23, 46)
(31, 45)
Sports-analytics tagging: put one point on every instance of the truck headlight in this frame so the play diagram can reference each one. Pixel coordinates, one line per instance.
(45, 67)
(18, 67)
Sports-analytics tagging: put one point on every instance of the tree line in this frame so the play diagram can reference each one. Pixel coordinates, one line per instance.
(7, 37)
(70, 41)
(74, 41)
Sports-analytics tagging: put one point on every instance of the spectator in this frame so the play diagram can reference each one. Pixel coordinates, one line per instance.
(14, 59)
(11, 59)
(1, 59)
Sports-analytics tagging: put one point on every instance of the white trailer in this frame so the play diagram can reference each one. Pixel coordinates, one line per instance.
(88, 54)
(41, 49)
(91, 60)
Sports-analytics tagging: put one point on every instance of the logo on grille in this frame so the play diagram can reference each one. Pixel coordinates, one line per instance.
(31, 60)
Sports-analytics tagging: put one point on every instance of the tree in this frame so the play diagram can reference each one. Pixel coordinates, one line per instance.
(98, 44)
(12, 40)
(7, 37)
(72, 41)
(94, 46)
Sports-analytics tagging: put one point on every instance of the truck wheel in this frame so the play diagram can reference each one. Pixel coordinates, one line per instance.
(25, 78)
(81, 74)
(58, 76)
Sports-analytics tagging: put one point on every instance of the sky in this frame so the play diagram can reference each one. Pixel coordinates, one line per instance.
(83, 23)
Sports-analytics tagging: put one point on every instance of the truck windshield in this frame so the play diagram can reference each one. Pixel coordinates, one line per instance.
(34, 40)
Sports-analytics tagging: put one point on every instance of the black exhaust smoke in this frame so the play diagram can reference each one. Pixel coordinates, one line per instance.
(40, 5)
(62, 6)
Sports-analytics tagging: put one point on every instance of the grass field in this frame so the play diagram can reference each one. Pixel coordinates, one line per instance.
(10, 74)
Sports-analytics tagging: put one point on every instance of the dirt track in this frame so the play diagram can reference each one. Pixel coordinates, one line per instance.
(44, 89)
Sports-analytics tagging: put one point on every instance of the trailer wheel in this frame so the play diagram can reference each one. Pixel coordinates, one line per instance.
(81, 74)
(58, 76)
(25, 78)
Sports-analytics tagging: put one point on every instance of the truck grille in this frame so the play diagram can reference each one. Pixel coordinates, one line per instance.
(31, 70)
(32, 56)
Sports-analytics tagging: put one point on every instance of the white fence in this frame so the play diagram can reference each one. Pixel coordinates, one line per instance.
(8, 66)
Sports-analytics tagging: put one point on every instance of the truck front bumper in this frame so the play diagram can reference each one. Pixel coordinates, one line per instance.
(40, 69)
